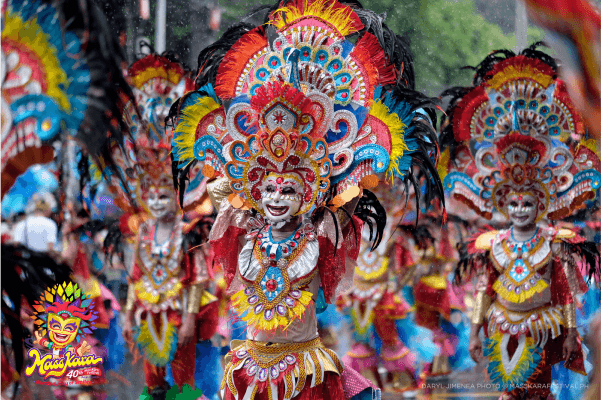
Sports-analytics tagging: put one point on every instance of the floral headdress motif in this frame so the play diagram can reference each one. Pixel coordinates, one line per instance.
(312, 93)
(280, 149)
(516, 131)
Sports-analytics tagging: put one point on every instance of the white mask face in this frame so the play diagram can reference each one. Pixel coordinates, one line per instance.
(521, 209)
(281, 198)
(161, 201)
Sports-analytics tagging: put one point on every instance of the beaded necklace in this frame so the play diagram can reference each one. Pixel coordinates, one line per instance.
(278, 251)
(525, 246)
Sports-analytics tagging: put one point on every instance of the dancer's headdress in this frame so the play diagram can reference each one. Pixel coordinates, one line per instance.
(144, 160)
(516, 131)
(60, 78)
(306, 103)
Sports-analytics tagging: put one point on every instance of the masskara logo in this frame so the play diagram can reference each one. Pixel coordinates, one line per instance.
(63, 316)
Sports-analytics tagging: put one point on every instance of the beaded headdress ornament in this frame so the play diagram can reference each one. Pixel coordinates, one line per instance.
(304, 101)
(516, 131)
(144, 161)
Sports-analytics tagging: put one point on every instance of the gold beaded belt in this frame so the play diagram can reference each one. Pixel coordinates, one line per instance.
(270, 363)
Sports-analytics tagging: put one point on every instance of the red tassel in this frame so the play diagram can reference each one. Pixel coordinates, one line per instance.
(446, 250)
(236, 59)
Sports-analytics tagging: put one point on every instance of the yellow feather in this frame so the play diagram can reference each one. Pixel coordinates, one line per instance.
(592, 145)
(240, 304)
(515, 72)
(443, 163)
(396, 128)
(144, 76)
(323, 9)
(185, 131)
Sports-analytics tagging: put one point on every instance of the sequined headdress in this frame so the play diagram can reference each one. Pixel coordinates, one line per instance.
(302, 99)
(59, 80)
(516, 131)
(144, 160)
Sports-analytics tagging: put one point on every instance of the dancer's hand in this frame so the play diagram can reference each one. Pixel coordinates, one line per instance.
(128, 328)
(571, 346)
(186, 331)
(475, 347)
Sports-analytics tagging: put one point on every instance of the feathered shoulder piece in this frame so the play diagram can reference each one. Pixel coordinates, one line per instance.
(301, 75)
(474, 254)
(59, 80)
(573, 244)
(515, 131)
(483, 242)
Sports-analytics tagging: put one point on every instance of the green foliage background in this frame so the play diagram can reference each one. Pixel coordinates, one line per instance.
(445, 36)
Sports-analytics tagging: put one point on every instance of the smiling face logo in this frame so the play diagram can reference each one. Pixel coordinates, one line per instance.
(63, 315)
(62, 328)
(66, 314)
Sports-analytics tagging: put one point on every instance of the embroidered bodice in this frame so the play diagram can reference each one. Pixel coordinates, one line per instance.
(524, 269)
(281, 283)
(159, 285)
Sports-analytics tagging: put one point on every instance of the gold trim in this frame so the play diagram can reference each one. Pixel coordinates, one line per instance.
(194, 295)
(131, 298)
(434, 281)
(481, 306)
(569, 315)
(403, 354)
(312, 359)
(317, 365)
(353, 355)
(564, 234)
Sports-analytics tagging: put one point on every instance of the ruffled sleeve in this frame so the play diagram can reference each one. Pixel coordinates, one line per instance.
(337, 258)
(224, 238)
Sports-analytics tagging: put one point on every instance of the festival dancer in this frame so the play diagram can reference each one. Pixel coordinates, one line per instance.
(518, 149)
(311, 117)
(168, 308)
(433, 305)
(375, 305)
